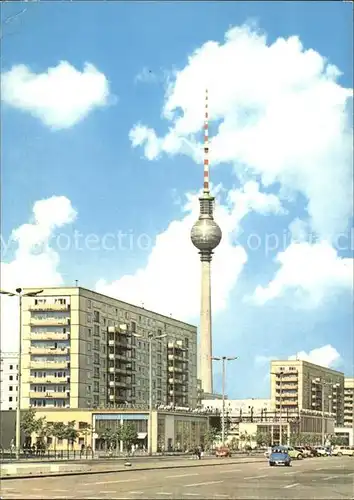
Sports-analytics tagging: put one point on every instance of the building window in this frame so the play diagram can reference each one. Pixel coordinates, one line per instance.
(11, 367)
(11, 377)
(89, 332)
(10, 388)
(133, 327)
(10, 398)
(89, 304)
(96, 316)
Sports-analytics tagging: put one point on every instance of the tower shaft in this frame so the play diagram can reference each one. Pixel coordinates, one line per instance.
(206, 366)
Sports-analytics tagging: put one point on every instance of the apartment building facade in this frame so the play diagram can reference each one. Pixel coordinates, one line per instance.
(8, 380)
(82, 349)
(299, 385)
(349, 402)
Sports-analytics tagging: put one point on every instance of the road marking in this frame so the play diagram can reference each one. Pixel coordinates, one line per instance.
(229, 471)
(289, 473)
(320, 468)
(291, 485)
(113, 482)
(255, 477)
(192, 494)
(351, 474)
(60, 491)
(217, 495)
(202, 484)
(163, 493)
(130, 492)
(112, 492)
(329, 477)
(183, 475)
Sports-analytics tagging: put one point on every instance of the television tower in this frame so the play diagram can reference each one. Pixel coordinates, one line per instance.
(206, 236)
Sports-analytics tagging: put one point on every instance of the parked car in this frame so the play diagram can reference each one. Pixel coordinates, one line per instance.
(223, 451)
(322, 451)
(338, 451)
(279, 456)
(294, 453)
(306, 452)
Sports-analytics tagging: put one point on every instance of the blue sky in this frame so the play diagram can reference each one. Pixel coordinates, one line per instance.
(114, 142)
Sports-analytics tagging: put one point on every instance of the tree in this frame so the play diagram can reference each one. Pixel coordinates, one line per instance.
(210, 437)
(108, 436)
(30, 425)
(263, 438)
(86, 431)
(58, 432)
(71, 434)
(128, 435)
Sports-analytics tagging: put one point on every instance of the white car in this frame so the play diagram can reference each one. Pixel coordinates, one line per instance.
(321, 450)
(338, 451)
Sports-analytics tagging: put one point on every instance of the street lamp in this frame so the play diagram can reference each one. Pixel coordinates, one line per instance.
(280, 374)
(151, 337)
(323, 384)
(223, 359)
(19, 293)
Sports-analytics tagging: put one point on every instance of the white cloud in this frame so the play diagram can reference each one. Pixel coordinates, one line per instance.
(313, 272)
(281, 114)
(60, 97)
(170, 282)
(326, 355)
(35, 262)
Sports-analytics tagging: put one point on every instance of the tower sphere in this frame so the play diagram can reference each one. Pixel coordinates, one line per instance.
(205, 234)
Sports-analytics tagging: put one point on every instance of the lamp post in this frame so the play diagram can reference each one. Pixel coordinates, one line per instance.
(323, 384)
(19, 293)
(223, 359)
(280, 374)
(151, 337)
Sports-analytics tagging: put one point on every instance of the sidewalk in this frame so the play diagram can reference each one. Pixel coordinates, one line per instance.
(18, 471)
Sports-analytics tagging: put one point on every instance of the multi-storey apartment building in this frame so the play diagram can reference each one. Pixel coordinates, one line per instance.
(300, 385)
(82, 349)
(349, 402)
(8, 380)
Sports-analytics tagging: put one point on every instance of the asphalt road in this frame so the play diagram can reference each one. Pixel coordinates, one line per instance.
(316, 478)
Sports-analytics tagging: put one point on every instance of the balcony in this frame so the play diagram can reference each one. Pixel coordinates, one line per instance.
(118, 383)
(49, 365)
(49, 350)
(175, 345)
(175, 381)
(48, 395)
(48, 336)
(176, 357)
(175, 369)
(49, 307)
(49, 321)
(48, 380)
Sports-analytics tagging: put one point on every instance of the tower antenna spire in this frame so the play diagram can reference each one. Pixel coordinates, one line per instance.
(206, 144)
